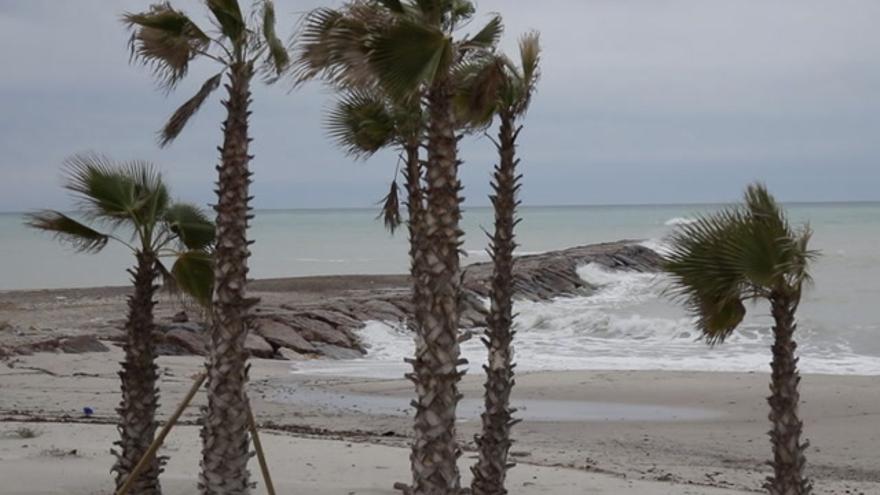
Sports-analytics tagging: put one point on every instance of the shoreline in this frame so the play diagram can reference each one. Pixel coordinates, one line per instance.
(674, 456)
(615, 431)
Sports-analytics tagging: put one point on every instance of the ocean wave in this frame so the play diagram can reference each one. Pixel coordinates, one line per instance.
(657, 245)
(679, 221)
(625, 324)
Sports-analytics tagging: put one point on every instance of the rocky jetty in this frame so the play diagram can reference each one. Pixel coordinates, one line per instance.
(328, 327)
(312, 317)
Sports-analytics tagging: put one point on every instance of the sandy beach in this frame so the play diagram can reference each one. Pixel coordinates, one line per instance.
(605, 432)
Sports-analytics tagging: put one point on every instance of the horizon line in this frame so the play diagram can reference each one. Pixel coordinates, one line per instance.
(570, 205)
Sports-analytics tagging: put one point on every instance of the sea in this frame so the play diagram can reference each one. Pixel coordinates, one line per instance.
(629, 323)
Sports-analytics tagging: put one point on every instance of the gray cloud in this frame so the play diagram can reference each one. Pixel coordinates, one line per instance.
(641, 102)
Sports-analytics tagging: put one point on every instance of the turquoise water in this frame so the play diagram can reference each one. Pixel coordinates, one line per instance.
(627, 325)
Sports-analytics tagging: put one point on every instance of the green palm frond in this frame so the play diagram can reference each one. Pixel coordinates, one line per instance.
(430, 10)
(66, 229)
(394, 6)
(193, 273)
(191, 225)
(408, 55)
(182, 115)
(128, 192)
(488, 36)
(361, 123)
(228, 16)
(740, 253)
(278, 57)
(165, 40)
(479, 82)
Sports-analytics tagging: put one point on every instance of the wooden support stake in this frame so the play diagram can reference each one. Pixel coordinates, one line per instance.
(261, 456)
(157, 442)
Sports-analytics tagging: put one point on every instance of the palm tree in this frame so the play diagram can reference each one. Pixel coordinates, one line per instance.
(131, 197)
(746, 253)
(167, 40)
(514, 87)
(367, 120)
(409, 49)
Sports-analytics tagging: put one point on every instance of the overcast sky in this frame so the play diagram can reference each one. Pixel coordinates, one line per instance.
(641, 101)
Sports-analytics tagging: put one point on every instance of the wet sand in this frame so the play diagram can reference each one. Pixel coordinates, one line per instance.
(614, 432)
(709, 429)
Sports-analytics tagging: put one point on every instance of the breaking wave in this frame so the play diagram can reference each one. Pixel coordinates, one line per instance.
(626, 324)
(679, 221)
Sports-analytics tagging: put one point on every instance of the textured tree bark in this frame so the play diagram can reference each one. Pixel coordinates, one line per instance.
(415, 203)
(225, 450)
(788, 451)
(494, 441)
(435, 450)
(140, 396)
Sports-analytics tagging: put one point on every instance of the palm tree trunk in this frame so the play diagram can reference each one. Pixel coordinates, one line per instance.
(494, 441)
(435, 450)
(140, 396)
(788, 451)
(225, 451)
(415, 203)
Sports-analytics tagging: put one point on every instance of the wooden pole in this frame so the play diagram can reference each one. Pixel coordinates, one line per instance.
(157, 442)
(261, 456)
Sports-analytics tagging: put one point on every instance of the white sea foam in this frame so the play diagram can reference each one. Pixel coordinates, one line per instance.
(656, 245)
(625, 324)
(679, 221)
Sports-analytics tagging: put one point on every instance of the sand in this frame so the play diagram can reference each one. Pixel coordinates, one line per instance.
(621, 432)
(707, 438)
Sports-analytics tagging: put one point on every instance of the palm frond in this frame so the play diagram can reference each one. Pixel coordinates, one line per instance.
(278, 57)
(117, 192)
(191, 225)
(454, 12)
(360, 123)
(182, 115)
(530, 59)
(487, 37)
(739, 253)
(390, 214)
(229, 17)
(193, 273)
(102, 190)
(394, 6)
(480, 80)
(333, 44)
(169, 285)
(408, 55)
(66, 229)
(165, 40)
(530, 56)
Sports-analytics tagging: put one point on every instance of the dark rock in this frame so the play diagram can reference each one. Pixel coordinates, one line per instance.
(315, 330)
(333, 318)
(180, 317)
(291, 355)
(191, 342)
(258, 347)
(80, 344)
(380, 310)
(280, 335)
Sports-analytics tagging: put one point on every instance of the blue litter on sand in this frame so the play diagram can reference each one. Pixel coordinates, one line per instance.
(88, 411)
